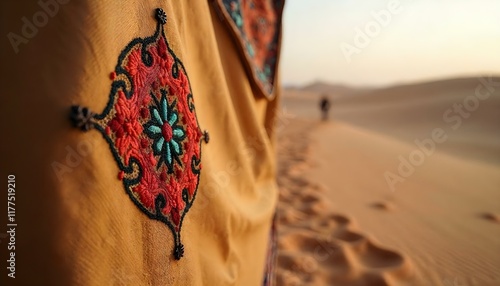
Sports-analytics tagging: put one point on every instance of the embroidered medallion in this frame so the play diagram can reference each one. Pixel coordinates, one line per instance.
(152, 130)
(256, 24)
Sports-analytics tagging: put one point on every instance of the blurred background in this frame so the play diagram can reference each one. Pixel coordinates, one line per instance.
(400, 185)
(401, 41)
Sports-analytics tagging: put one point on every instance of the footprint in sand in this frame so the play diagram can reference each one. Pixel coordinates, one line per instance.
(345, 256)
(310, 197)
(340, 219)
(318, 188)
(331, 222)
(318, 247)
(290, 216)
(376, 257)
(371, 263)
(298, 168)
(383, 206)
(308, 254)
(348, 236)
(308, 241)
(311, 205)
(285, 277)
(491, 217)
(374, 279)
(300, 265)
(299, 183)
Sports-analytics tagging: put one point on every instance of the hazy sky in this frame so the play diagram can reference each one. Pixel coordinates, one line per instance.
(415, 40)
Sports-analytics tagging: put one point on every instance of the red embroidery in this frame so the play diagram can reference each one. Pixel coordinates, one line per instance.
(151, 127)
(257, 27)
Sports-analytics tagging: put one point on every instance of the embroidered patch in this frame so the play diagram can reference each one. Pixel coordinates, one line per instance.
(257, 26)
(151, 127)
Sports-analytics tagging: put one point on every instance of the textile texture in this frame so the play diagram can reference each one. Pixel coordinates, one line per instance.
(257, 27)
(80, 225)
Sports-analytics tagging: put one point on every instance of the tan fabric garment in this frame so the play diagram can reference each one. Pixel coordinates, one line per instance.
(80, 227)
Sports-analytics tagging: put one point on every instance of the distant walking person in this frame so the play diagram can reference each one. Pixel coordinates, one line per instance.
(325, 107)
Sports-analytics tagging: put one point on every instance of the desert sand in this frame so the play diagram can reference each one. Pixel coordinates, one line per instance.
(401, 186)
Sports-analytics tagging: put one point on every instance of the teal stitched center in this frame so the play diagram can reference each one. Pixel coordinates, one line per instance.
(166, 133)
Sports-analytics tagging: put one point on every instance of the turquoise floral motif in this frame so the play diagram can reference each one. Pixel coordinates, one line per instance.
(167, 135)
(152, 130)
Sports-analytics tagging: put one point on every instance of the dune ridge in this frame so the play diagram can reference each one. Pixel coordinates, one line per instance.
(412, 111)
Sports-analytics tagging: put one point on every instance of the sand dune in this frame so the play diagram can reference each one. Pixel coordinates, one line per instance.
(343, 223)
(411, 112)
(318, 246)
